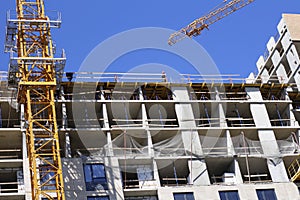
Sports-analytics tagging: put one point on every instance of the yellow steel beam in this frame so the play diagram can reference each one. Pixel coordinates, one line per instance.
(36, 91)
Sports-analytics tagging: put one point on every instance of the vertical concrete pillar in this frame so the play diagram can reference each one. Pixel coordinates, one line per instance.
(281, 74)
(275, 58)
(267, 137)
(109, 147)
(146, 125)
(230, 147)
(155, 173)
(141, 95)
(237, 172)
(26, 171)
(114, 177)
(221, 109)
(68, 151)
(198, 173)
(190, 138)
(104, 110)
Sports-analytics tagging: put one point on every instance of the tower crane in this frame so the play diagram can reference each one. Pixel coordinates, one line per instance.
(197, 26)
(33, 67)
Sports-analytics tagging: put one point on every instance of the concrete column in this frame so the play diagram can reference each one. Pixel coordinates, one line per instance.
(104, 110)
(68, 151)
(144, 116)
(291, 116)
(141, 95)
(281, 74)
(156, 174)
(186, 120)
(67, 136)
(260, 63)
(190, 138)
(109, 149)
(145, 125)
(275, 58)
(26, 171)
(230, 147)
(198, 173)
(237, 172)
(292, 55)
(105, 116)
(114, 177)
(265, 76)
(267, 138)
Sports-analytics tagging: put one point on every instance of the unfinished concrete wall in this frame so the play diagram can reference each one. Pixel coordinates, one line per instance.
(292, 23)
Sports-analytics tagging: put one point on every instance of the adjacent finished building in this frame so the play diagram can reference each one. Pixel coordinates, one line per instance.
(150, 141)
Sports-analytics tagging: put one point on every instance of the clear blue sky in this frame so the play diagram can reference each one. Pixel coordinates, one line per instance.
(235, 43)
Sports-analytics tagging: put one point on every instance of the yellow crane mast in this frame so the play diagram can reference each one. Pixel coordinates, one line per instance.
(195, 28)
(29, 37)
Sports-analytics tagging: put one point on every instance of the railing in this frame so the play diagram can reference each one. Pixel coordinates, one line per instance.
(227, 151)
(281, 122)
(234, 96)
(257, 178)
(129, 123)
(208, 122)
(171, 181)
(150, 77)
(139, 184)
(162, 123)
(289, 149)
(11, 187)
(130, 151)
(3, 75)
(231, 122)
(170, 152)
(224, 179)
(216, 151)
(10, 154)
(84, 123)
(248, 150)
(167, 151)
(53, 17)
(9, 123)
(240, 122)
(294, 170)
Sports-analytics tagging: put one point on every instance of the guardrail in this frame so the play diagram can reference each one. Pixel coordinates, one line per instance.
(294, 170)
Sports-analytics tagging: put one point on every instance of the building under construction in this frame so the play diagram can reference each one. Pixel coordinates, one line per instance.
(206, 138)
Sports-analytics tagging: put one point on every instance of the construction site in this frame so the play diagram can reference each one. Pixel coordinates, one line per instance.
(213, 138)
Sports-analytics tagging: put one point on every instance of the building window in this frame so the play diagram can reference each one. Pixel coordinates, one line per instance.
(268, 194)
(229, 195)
(95, 178)
(98, 198)
(184, 196)
(142, 198)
